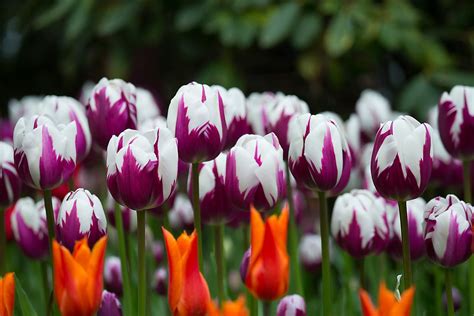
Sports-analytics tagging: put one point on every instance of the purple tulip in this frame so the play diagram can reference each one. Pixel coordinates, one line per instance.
(456, 121)
(129, 217)
(196, 117)
(45, 156)
(446, 169)
(354, 139)
(235, 114)
(81, 215)
(359, 223)
(448, 234)
(30, 228)
(110, 305)
(25, 107)
(259, 106)
(10, 182)
(160, 281)
(86, 91)
(158, 251)
(6, 130)
(255, 172)
(291, 305)
(111, 109)
(415, 211)
(402, 158)
(457, 299)
(147, 106)
(373, 109)
(244, 265)
(181, 215)
(310, 252)
(142, 167)
(319, 156)
(113, 275)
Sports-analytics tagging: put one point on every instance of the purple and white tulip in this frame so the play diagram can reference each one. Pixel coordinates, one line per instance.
(373, 109)
(81, 215)
(448, 234)
(160, 281)
(196, 118)
(142, 167)
(402, 158)
(319, 156)
(25, 107)
(45, 156)
(181, 215)
(147, 106)
(10, 182)
(129, 217)
(113, 275)
(456, 121)
(309, 252)
(291, 305)
(255, 172)
(259, 106)
(354, 139)
(111, 109)
(457, 299)
(110, 305)
(359, 223)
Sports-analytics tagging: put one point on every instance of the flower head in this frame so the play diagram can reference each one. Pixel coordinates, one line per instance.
(7, 294)
(389, 305)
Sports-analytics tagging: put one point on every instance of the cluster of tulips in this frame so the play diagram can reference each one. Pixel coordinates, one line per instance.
(217, 161)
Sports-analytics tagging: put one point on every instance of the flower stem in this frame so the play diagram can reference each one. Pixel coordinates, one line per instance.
(293, 237)
(438, 290)
(360, 266)
(220, 261)
(467, 199)
(266, 308)
(142, 285)
(197, 209)
(326, 267)
(407, 279)
(48, 205)
(44, 279)
(124, 261)
(252, 303)
(166, 210)
(3, 242)
(449, 292)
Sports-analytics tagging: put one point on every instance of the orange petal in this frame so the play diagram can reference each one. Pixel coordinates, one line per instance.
(95, 268)
(82, 253)
(279, 227)
(386, 300)
(212, 309)
(257, 231)
(184, 241)
(236, 308)
(403, 307)
(175, 278)
(7, 294)
(366, 304)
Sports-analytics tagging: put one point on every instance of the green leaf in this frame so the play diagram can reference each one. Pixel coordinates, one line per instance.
(306, 30)
(78, 20)
(56, 12)
(340, 35)
(117, 17)
(418, 96)
(449, 78)
(190, 16)
(23, 300)
(279, 24)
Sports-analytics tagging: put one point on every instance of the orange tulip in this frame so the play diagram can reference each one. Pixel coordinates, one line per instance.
(7, 294)
(267, 273)
(388, 303)
(78, 277)
(188, 293)
(230, 308)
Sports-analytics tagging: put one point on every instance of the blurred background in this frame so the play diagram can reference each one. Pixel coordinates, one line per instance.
(326, 52)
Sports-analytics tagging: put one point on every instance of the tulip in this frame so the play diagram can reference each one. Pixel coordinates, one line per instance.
(310, 252)
(110, 305)
(78, 277)
(129, 217)
(147, 106)
(196, 118)
(113, 275)
(181, 214)
(359, 223)
(389, 304)
(142, 168)
(64, 110)
(258, 107)
(268, 268)
(446, 169)
(188, 293)
(158, 250)
(7, 294)
(81, 215)
(291, 305)
(6, 131)
(44, 154)
(25, 107)
(10, 182)
(111, 109)
(235, 111)
(229, 308)
(152, 123)
(448, 234)
(255, 172)
(160, 281)
(86, 91)
(373, 109)
(457, 299)
(354, 139)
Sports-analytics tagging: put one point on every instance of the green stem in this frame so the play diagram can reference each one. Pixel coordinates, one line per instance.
(326, 264)
(449, 292)
(197, 209)
(220, 261)
(266, 308)
(252, 303)
(166, 220)
(124, 261)
(48, 205)
(360, 266)
(407, 278)
(3, 242)
(468, 199)
(293, 236)
(44, 280)
(438, 290)
(142, 285)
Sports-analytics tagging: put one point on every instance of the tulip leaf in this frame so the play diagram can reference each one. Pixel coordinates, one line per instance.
(306, 30)
(339, 35)
(23, 300)
(279, 24)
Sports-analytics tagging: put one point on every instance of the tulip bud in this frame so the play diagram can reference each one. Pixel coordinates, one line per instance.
(456, 121)
(147, 106)
(30, 228)
(110, 305)
(10, 182)
(113, 275)
(196, 118)
(319, 156)
(359, 223)
(448, 232)
(129, 217)
(235, 114)
(81, 215)
(25, 107)
(255, 172)
(111, 109)
(291, 305)
(142, 167)
(160, 281)
(310, 252)
(402, 158)
(45, 156)
(258, 107)
(181, 215)
(373, 109)
(415, 211)
(457, 299)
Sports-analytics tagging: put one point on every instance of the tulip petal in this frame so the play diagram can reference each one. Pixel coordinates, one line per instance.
(175, 270)
(94, 273)
(7, 294)
(403, 307)
(367, 306)
(386, 300)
